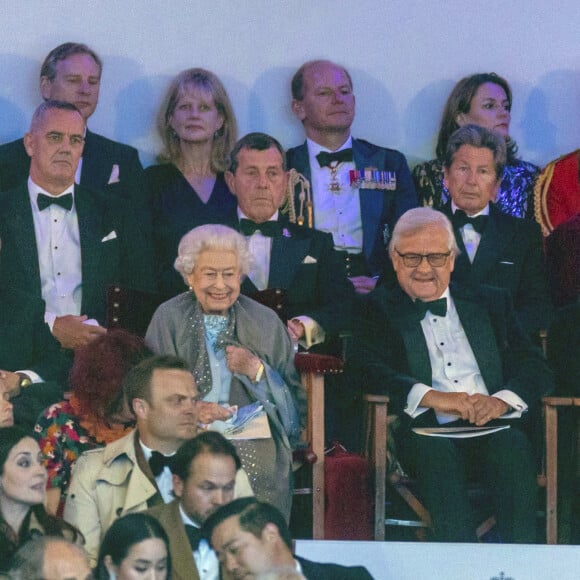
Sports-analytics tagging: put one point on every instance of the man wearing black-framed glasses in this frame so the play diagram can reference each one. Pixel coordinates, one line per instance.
(454, 357)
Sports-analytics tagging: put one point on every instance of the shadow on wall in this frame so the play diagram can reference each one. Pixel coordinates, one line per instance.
(422, 118)
(19, 96)
(551, 115)
(276, 111)
(380, 124)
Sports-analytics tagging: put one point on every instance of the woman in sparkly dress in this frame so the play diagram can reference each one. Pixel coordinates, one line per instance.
(483, 99)
(197, 126)
(239, 352)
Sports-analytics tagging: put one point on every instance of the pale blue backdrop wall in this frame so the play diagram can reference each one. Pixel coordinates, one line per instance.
(404, 56)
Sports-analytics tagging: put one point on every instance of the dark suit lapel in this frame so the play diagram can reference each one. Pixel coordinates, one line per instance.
(24, 237)
(285, 259)
(405, 320)
(301, 161)
(479, 331)
(493, 239)
(91, 233)
(96, 168)
(462, 269)
(371, 200)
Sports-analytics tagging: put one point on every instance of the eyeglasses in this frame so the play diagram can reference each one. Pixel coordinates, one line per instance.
(413, 260)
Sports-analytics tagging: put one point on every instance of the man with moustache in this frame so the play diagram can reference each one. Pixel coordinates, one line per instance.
(134, 472)
(496, 249)
(65, 243)
(358, 209)
(71, 72)
(204, 473)
(301, 263)
(454, 357)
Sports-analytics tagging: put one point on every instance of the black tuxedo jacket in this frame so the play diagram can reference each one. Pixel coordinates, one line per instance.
(510, 255)
(122, 259)
(316, 571)
(27, 344)
(25, 340)
(379, 209)
(304, 263)
(389, 351)
(100, 156)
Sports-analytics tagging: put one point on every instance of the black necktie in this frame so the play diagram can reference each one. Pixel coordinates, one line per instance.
(158, 461)
(65, 201)
(325, 159)
(270, 229)
(460, 218)
(436, 307)
(193, 535)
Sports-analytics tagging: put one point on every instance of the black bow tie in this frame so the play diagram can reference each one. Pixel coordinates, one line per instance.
(325, 159)
(436, 307)
(271, 229)
(460, 218)
(194, 536)
(65, 201)
(158, 461)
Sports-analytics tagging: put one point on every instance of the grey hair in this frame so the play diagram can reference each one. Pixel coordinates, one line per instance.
(481, 138)
(51, 105)
(211, 237)
(28, 562)
(414, 220)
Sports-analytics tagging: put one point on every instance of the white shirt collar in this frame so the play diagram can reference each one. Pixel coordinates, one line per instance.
(242, 215)
(34, 189)
(314, 148)
(484, 211)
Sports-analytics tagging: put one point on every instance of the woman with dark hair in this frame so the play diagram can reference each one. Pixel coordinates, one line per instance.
(197, 125)
(95, 414)
(483, 99)
(135, 546)
(22, 494)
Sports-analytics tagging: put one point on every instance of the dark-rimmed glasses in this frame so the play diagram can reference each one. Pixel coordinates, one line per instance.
(434, 260)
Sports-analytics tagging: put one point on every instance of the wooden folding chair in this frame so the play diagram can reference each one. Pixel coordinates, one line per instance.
(377, 423)
(312, 368)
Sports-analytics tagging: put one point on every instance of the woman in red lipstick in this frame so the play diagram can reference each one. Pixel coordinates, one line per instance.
(483, 99)
(22, 494)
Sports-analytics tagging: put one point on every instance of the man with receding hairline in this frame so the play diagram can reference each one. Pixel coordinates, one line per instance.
(50, 558)
(358, 209)
(71, 72)
(65, 243)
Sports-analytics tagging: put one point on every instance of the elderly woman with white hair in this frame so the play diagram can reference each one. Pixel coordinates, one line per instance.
(238, 350)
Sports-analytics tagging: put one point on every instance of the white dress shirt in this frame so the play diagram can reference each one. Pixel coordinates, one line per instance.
(470, 237)
(206, 561)
(164, 480)
(453, 366)
(260, 247)
(59, 255)
(336, 212)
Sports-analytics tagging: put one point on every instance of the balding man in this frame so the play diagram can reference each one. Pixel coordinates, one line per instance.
(65, 243)
(359, 190)
(71, 72)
